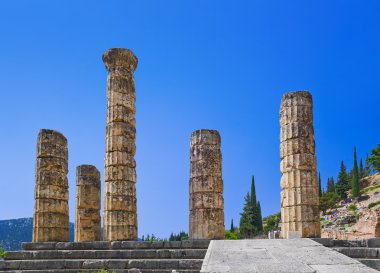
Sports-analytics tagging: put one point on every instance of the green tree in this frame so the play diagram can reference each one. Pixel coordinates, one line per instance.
(246, 228)
(320, 185)
(250, 220)
(271, 221)
(253, 191)
(330, 185)
(182, 235)
(343, 183)
(254, 210)
(374, 159)
(367, 168)
(232, 229)
(259, 218)
(328, 201)
(361, 169)
(229, 235)
(355, 189)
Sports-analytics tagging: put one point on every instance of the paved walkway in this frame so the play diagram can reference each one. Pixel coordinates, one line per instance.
(277, 256)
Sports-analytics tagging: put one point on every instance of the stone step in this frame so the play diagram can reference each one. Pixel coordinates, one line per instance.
(359, 252)
(109, 271)
(177, 264)
(108, 254)
(373, 263)
(328, 242)
(189, 244)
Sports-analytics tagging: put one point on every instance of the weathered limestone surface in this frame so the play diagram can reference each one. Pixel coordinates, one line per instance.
(120, 212)
(299, 196)
(206, 186)
(276, 256)
(87, 217)
(51, 209)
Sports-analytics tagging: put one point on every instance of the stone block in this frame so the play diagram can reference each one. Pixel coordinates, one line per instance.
(297, 130)
(297, 146)
(117, 158)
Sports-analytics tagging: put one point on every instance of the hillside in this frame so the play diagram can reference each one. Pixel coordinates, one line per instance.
(356, 219)
(15, 231)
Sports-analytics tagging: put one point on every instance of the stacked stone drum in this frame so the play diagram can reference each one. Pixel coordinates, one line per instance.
(299, 196)
(206, 186)
(87, 216)
(51, 209)
(120, 211)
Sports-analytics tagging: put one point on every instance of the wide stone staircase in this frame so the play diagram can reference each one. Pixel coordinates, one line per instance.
(365, 251)
(115, 256)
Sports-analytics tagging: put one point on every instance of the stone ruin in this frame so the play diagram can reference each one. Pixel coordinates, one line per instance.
(299, 196)
(87, 216)
(50, 250)
(120, 210)
(206, 217)
(51, 208)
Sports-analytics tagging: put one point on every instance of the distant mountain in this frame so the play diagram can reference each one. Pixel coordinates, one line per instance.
(15, 231)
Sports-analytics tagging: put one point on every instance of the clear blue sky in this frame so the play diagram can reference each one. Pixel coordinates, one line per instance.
(202, 64)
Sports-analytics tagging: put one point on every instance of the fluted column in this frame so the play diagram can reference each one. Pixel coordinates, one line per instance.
(120, 212)
(299, 196)
(51, 209)
(87, 214)
(206, 217)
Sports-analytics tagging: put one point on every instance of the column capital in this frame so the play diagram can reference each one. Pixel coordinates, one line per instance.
(120, 57)
(205, 136)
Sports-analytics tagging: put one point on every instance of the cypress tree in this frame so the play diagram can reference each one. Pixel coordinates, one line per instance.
(330, 185)
(251, 222)
(253, 192)
(247, 230)
(259, 218)
(355, 178)
(361, 169)
(232, 229)
(320, 185)
(254, 211)
(343, 183)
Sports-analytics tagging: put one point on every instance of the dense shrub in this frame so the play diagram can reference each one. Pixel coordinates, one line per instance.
(3, 253)
(100, 271)
(228, 235)
(371, 205)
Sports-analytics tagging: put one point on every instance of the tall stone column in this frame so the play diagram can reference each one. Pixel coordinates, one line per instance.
(87, 215)
(299, 196)
(120, 211)
(51, 209)
(206, 186)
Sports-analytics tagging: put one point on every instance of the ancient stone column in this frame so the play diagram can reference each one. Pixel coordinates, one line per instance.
(120, 212)
(206, 217)
(87, 215)
(299, 196)
(51, 209)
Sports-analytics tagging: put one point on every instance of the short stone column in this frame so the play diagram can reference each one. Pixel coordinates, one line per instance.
(51, 209)
(206, 217)
(87, 215)
(299, 196)
(120, 211)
